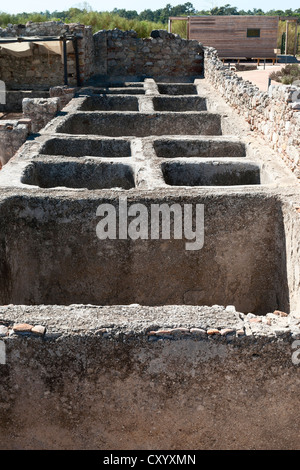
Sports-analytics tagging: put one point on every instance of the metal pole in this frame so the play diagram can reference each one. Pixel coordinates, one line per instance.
(286, 37)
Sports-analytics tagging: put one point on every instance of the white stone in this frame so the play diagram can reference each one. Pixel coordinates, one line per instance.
(38, 330)
(230, 308)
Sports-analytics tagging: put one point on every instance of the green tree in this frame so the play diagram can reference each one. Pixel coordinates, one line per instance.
(225, 10)
(147, 15)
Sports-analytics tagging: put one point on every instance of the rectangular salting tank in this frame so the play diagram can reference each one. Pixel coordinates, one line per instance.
(82, 147)
(72, 174)
(210, 173)
(179, 103)
(141, 124)
(208, 147)
(61, 260)
(177, 88)
(113, 90)
(110, 103)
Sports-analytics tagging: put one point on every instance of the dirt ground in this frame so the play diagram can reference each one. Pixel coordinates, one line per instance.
(260, 76)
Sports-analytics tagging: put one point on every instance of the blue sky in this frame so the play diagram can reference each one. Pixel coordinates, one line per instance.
(17, 6)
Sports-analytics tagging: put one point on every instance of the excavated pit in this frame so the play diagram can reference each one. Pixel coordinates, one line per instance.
(141, 124)
(142, 323)
(74, 174)
(182, 103)
(110, 103)
(82, 147)
(210, 173)
(177, 89)
(200, 147)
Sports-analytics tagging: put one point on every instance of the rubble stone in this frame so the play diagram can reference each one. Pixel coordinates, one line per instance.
(273, 114)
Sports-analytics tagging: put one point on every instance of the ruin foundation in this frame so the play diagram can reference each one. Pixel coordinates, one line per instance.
(133, 341)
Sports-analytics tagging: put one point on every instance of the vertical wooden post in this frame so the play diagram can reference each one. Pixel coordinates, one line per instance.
(286, 37)
(188, 28)
(296, 38)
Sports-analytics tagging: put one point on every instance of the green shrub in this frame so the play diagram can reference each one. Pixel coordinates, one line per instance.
(287, 79)
(287, 75)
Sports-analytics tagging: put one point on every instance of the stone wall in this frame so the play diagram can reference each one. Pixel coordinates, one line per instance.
(108, 53)
(133, 377)
(13, 134)
(122, 53)
(41, 110)
(42, 70)
(14, 98)
(37, 112)
(274, 114)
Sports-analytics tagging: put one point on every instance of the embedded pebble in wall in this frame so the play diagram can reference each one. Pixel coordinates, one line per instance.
(22, 328)
(27, 328)
(227, 331)
(198, 331)
(213, 331)
(280, 314)
(38, 330)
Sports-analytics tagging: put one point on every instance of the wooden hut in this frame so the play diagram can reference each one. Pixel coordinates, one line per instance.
(236, 36)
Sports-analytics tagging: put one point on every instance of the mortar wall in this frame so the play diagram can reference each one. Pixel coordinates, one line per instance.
(96, 381)
(42, 70)
(163, 54)
(274, 114)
